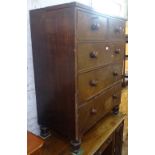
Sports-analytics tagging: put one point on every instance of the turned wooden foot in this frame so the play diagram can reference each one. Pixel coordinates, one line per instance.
(44, 132)
(75, 146)
(115, 110)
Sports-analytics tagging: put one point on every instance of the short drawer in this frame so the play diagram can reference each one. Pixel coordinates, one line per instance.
(91, 55)
(116, 30)
(92, 82)
(98, 107)
(91, 26)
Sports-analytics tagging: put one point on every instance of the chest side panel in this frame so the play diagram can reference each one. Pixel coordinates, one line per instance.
(54, 67)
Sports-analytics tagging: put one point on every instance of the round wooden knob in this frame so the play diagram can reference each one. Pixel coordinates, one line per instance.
(95, 26)
(93, 54)
(114, 96)
(93, 82)
(117, 30)
(115, 73)
(118, 50)
(93, 111)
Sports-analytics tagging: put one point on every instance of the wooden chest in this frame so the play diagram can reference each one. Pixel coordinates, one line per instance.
(78, 58)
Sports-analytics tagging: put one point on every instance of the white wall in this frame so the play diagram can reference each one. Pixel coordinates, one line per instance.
(32, 124)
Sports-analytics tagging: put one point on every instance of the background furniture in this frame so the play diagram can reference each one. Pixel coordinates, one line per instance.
(103, 139)
(125, 68)
(78, 58)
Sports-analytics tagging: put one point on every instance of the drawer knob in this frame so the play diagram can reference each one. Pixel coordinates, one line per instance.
(115, 74)
(93, 82)
(93, 111)
(115, 96)
(95, 26)
(118, 50)
(93, 54)
(117, 30)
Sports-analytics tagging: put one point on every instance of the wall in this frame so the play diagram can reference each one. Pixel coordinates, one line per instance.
(32, 124)
(111, 7)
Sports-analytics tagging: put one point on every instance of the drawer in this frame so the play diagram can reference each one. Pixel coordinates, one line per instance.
(86, 117)
(104, 102)
(91, 26)
(116, 30)
(92, 82)
(98, 107)
(91, 55)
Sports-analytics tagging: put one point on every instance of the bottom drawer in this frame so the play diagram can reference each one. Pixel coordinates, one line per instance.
(95, 109)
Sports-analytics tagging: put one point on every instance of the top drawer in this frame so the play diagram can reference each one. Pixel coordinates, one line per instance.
(116, 30)
(91, 26)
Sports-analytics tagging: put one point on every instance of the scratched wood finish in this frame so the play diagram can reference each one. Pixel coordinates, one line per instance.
(62, 35)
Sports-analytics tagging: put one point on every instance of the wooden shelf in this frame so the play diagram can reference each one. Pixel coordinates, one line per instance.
(92, 140)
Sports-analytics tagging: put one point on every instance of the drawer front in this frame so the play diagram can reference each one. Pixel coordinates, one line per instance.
(91, 83)
(91, 55)
(98, 107)
(104, 102)
(91, 26)
(116, 30)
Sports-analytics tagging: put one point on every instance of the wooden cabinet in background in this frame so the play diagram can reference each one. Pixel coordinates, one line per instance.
(113, 144)
(78, 59)
(105, 138)
(125, 66)
(119, 139)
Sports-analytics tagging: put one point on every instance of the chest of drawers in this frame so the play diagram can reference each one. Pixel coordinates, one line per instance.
(78, 57)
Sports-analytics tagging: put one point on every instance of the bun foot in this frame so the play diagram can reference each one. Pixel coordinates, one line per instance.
(75, 147)
(44, 132)
(115, 110)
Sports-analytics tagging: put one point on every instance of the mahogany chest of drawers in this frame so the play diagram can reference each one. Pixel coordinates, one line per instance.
(78, 58)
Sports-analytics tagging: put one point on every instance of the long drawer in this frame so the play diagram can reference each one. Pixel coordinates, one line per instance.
(96, 108)
(92, 82)
(91, 26)
(91, 55)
